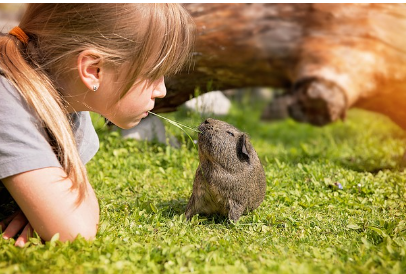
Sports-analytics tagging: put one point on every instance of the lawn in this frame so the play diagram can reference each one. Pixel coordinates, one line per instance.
(335, 203)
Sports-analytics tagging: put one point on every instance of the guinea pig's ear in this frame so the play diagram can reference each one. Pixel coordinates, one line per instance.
(245, 146)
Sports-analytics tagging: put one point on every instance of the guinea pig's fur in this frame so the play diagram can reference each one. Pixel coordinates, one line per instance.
(230, 179)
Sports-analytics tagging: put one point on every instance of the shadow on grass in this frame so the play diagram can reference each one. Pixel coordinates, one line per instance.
(398, 163)
(169, 209)
(371, 165)
(173, 207)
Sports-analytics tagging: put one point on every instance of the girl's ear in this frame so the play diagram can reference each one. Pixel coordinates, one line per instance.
(89, 68)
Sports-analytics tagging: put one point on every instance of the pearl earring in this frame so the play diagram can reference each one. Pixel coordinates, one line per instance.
(95, 88)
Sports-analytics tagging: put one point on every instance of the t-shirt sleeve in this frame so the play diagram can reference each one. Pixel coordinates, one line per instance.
(24, 143)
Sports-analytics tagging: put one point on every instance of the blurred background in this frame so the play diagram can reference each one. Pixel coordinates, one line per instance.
(309, 62)
(10, 14)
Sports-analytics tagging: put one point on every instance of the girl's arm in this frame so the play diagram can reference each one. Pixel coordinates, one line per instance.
(50, 206)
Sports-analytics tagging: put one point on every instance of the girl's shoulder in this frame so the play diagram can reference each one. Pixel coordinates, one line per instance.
(8, 93)
(24, 142)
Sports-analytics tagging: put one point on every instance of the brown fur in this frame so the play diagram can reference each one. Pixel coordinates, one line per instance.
(230, 179)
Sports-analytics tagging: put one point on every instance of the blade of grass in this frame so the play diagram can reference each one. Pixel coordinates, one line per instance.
(179, 125)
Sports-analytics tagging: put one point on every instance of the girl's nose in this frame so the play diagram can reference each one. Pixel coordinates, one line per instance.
(159, 88)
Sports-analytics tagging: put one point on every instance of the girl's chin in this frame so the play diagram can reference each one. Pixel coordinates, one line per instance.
(127, 125)
(131, 122)
(131, 125)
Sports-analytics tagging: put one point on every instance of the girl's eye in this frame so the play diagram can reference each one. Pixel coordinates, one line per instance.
(229, 132)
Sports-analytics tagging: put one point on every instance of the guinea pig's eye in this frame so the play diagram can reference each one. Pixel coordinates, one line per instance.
(229, 132)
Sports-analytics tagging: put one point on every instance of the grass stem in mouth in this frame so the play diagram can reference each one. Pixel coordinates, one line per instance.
(179, 125)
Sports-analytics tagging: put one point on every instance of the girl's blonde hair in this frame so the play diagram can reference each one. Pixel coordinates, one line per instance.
(154, 39)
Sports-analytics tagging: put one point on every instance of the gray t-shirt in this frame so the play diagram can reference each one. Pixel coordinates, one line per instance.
(24, 143)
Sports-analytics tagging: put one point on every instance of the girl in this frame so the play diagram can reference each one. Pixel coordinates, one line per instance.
(62, 61)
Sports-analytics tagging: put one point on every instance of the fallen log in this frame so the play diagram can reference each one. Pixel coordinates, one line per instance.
(328, 57)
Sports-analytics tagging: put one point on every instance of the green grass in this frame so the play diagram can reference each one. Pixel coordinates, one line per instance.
(306, 224)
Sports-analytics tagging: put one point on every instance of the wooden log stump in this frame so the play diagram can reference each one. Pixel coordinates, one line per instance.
(328, 57)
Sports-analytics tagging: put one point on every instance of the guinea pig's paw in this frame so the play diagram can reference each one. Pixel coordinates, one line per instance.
(236, 210)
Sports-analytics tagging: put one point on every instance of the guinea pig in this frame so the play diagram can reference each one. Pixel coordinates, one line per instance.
(230, 179)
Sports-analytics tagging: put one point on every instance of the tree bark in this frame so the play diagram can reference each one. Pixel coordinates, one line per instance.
(328, 57)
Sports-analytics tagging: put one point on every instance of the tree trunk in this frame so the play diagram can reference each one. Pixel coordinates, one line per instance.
(328, 57)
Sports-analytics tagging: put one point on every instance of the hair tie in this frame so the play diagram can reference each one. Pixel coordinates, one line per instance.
(20, 34)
